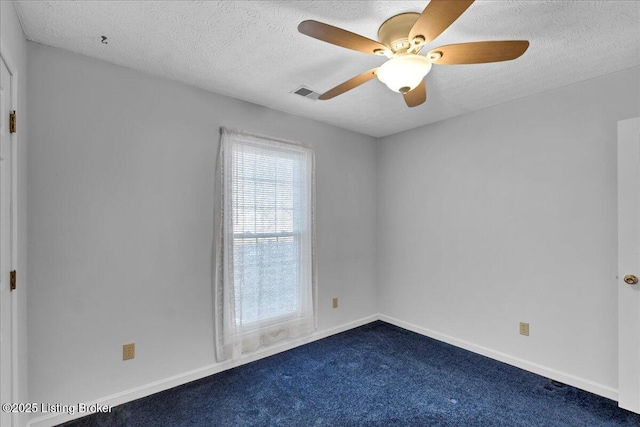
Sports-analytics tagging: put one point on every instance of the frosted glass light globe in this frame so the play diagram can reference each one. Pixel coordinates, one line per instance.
(403, 73)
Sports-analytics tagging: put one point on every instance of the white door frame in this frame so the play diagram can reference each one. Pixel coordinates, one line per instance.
(629, 264)
(13, 141)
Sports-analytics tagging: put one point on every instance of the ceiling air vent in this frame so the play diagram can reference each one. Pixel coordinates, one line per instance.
(306, 92)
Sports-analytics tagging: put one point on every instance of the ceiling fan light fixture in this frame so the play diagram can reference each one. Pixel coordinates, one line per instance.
(403, 73)
(401, 38)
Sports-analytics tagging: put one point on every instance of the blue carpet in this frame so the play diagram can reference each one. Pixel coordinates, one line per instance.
(375, 375)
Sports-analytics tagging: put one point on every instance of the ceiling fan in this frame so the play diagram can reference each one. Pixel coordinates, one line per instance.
(402, 37)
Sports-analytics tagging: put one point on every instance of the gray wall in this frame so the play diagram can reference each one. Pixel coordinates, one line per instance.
(14, 42)
(509, 214)
(121, 182)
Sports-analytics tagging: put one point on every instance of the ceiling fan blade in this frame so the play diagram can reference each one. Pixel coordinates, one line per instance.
(416, 96)
(349, 84)
(437, 17)
(339, 37)
(480, 52)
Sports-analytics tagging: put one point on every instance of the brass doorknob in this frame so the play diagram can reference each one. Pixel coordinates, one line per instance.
(630, 279)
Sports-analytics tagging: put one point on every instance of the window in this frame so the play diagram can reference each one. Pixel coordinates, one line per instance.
(265, 281)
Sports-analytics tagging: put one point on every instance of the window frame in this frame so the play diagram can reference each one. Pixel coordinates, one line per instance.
(229, 328)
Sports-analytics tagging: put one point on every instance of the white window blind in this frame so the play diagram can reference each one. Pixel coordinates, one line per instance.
(265, 276)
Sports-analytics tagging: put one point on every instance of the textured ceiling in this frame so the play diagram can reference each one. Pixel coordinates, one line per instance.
(252, 50)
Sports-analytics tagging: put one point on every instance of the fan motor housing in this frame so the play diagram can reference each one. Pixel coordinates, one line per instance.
(394, 32)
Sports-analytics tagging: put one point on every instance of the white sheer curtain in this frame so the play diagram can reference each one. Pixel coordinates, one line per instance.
(265, 277)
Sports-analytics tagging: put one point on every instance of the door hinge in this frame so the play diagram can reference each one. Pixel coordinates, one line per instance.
(12, 122)
(12, 280)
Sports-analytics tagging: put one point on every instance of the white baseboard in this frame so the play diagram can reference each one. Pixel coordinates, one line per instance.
(563, 377)
(196, 374)
(167, 383)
